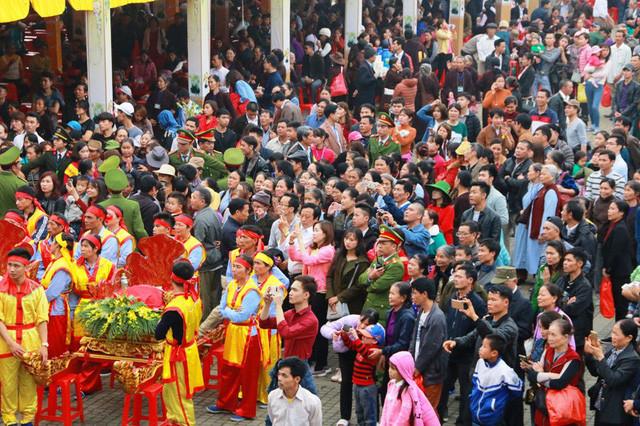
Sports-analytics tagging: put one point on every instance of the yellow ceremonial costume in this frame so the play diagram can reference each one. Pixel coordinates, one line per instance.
(32, 222)
(104, 234)
(123, 236)
(270, 342)
(181, 368)
(22, 308)
(59, 325)
(191, 244)
(102, 271)
(241, 355)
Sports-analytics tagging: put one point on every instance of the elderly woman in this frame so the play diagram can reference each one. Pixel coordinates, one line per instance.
(543, 205)
(534, 186)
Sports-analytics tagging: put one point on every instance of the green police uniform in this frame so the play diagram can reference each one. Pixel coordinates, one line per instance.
(213, 164)
(378, 289)
(116, 181)
(9, 182)
(378, 148)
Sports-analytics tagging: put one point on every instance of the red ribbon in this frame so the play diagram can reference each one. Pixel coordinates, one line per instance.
(97, 212)
(18, 259)
(60, 221)
(184, 219)
(162, 223)
(243, 262)
(96, 242)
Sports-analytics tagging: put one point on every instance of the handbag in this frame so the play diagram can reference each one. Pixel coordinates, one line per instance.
(581, 95)
(607, 306)
(576, 77)
(338, 86)
(342, 308)
(566, 406)
(606, 97)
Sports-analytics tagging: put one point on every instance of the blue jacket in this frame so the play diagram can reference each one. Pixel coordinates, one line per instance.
(492, 386)
(416, 240)
(399, 341)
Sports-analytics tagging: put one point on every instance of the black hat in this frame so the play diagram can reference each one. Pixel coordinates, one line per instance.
(555, 221)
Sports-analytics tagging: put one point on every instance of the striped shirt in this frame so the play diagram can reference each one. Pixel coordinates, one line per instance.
(592, 190)
(364, 368)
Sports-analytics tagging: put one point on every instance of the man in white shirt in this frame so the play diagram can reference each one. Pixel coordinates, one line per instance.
(31, 125)
(291, 404)
(219, 70)
(615, 144)
(486, 45)
(620, 56)
(278, 143)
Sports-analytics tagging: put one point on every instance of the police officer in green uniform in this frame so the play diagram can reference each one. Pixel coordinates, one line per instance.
(116, 181)
(381, 143)
(213, 164)
(233, 159)
(386, 269)
(10, 179)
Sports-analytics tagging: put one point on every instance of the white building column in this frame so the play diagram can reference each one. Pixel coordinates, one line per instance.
(352, 23)
(410, 14)
(99, 68)
(198, 46)
(281, 29)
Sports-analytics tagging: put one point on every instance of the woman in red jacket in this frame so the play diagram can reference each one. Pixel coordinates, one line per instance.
(441, 204)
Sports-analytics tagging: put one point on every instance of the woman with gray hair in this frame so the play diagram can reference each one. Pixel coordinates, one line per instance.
(428, 86)
(441, 273)
(546, 203)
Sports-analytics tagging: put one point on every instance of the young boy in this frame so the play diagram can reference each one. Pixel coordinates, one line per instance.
(364, 370)
(494, 383)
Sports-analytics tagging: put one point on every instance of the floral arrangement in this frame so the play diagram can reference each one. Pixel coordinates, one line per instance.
(118, 318)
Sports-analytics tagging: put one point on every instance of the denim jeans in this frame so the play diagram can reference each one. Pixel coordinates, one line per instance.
(366, 404)
(539, 82)
(594, 96)
(315, 87)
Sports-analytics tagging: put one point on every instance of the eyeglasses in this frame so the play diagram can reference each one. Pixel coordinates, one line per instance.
(463, 234)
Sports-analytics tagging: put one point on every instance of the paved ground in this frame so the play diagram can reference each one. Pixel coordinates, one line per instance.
(105, 408)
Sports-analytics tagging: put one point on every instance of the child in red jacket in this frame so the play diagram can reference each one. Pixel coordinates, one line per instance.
(364, 370)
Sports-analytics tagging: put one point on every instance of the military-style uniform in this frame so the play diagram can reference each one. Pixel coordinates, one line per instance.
(8, 181)
(22, 309)
(378, 148)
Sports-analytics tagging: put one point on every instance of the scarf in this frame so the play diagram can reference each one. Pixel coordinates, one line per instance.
(537, 210)
(610, 228)
(403, 361)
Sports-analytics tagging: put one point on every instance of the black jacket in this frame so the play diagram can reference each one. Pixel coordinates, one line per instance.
(366, 83)
(48, 162)
(581, 310)
(149, 207)
(526, 81)
(520, 311)
(583, 236)
(617, 253)
(505, 327)
(313, 67)
(473, 126)
(459, 325)
(402, 331)
(516, 188)
(489, 222)
(614, 382)
(556, 103)
(432, 358)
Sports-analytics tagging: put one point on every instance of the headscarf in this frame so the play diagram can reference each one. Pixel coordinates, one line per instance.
(168, 122)
(422, 409)
(245, 91)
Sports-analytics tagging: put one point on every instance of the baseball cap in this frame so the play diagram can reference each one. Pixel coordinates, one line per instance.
(126, 90)
(375, 331)
(125, 107)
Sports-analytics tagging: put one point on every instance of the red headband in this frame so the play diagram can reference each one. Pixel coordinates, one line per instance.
(18, 259)
(162, 223)
(92, 239)
(184, 219)
(97, 212)
(243, 262)
(189, 289)
(117, 213)
(25, 195)
(60, 221)
(248, 234)
(15, 217)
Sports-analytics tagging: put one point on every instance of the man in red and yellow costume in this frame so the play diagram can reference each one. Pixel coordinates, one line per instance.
(193, 249)
(15, 217)
(58, 280)
(92, 269)
(35, 216)
(23, 328)
(270, 343)
(94, 219)
(181, 369)
(56, 225)
(242, 354)
(126, 242)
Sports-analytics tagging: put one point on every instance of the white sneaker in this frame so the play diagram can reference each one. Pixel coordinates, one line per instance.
(342, 422)
(337, 377)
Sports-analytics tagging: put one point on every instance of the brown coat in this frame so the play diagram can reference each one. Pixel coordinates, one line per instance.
(336, 145)
(407, 89)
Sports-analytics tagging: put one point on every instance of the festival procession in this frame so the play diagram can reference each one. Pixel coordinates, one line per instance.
(319, 212)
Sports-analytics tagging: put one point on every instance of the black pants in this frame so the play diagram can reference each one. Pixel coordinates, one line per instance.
(321, 345)
(210, 291)
(619, 301)
(346, 361)
(457, 371)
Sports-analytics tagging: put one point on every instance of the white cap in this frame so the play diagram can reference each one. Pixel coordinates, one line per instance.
(125, 107)
(325, 32)
(166, 169)
(126, 90)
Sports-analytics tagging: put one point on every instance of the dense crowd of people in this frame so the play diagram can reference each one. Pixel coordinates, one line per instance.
(432, 216)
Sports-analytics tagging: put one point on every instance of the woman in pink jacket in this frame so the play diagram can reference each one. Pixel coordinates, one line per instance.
(316, 261)
(405, 404)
